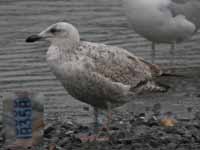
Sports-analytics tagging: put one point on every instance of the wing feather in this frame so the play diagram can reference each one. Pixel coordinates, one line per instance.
(118, 64)
(190, 9)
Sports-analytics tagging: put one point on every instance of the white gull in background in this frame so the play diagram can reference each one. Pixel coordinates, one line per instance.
(97, 74)
(164, 21)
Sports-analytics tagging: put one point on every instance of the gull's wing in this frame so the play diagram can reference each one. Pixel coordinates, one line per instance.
(98, 74)
(118, 65)
(188, 8)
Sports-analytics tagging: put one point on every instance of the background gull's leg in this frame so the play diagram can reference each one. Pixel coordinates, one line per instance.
(153, 52)
(171, 52)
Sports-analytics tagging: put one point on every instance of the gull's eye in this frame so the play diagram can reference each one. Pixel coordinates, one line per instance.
(54, 30)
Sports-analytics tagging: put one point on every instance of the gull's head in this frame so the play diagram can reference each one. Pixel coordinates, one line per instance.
(57, 33)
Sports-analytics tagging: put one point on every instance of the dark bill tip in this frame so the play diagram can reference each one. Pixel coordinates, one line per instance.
(33, 38)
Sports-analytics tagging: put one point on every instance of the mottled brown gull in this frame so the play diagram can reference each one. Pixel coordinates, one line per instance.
(164, 21)
(97, 74)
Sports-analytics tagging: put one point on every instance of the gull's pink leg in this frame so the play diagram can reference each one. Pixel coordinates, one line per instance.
(96, 137)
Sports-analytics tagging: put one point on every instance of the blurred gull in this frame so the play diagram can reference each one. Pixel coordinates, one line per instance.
(164, 21)
(97, 74)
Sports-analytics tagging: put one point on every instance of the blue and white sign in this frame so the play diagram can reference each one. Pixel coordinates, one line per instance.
(23, 117)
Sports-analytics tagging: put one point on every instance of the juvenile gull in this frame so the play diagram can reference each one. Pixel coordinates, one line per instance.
(97, 74)
(164, 21)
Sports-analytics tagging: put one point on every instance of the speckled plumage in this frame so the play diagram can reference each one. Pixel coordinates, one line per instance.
(94, 73)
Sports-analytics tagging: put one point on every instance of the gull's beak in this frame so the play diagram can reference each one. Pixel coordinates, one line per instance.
(44, 35)
(33, 38)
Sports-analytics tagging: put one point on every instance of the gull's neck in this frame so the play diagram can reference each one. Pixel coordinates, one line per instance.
(67, 47)
(63, 50)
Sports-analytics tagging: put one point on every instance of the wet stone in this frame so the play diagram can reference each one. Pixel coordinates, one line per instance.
(133, 134)
(47, 131)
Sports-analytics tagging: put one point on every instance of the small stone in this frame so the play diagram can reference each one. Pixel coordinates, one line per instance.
(156, 108)
(197, 115)
(171, 146)
(121, 122)
(69, 123)
(189, 109)
(69, 132)
(47, 131)
(64, 142)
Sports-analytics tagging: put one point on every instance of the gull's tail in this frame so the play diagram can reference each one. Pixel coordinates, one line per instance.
(150, 87)
(166, 74)
(158, 72)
